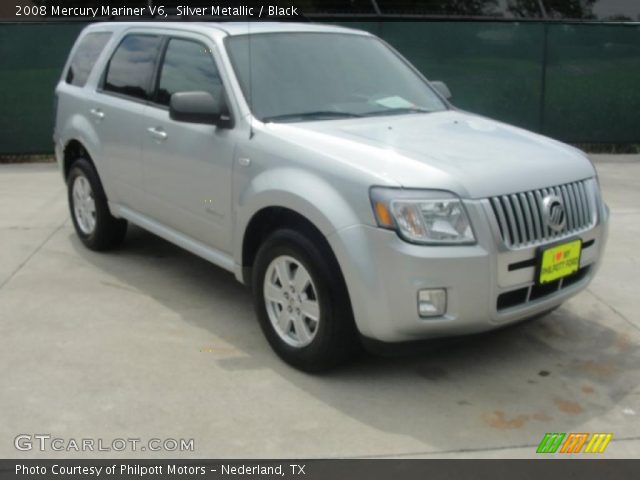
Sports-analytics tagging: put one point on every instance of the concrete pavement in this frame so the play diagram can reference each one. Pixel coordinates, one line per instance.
(152, 342)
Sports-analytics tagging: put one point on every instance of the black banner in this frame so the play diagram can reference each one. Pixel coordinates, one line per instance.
(321, 469)
(128, 10)
(156, 10)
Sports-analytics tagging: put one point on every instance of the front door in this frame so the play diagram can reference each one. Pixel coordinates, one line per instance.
(187, 167)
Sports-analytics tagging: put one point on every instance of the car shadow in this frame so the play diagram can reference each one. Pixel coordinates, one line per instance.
(507, 387)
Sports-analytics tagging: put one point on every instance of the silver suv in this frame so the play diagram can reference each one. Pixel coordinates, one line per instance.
(322, 169)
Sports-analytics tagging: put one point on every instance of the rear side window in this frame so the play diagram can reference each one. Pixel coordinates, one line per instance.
(132, 66)
(85, 57)
(188, 67)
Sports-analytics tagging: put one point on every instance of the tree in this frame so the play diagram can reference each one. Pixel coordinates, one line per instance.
(580, 9)
(473, 8)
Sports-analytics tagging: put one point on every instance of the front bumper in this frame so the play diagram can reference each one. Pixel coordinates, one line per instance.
(484, 288)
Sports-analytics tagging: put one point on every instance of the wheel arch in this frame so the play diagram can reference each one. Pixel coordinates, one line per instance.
(74, 149)
(266, 221)
(78, 139)
(288, 197)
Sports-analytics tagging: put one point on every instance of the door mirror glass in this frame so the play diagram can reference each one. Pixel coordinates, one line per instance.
(195, 107)
(442, 89)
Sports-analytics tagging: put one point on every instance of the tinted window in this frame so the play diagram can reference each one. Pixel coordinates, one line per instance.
(85, 58)
(188, 67)
(131, 67)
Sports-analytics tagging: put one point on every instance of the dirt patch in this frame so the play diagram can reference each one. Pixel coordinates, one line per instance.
(542, 417)
(587, 389)
(623, 342)
(568, 406)
(600, 369)
(498, 419)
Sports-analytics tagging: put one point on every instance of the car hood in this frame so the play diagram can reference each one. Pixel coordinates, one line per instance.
(471, 155)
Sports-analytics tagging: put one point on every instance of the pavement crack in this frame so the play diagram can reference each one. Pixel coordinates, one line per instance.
(613, 309)
(32, 254)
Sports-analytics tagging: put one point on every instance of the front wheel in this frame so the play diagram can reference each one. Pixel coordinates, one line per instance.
(302, 303)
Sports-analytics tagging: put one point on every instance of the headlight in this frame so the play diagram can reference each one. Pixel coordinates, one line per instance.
(422, 216)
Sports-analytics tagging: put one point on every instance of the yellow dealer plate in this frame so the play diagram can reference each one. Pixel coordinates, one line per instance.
(559, 261)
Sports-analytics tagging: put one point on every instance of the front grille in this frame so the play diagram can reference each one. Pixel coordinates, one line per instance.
(524, 295)
(521, 220)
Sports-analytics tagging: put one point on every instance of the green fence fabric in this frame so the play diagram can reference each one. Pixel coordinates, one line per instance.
(574, 82)
(492, 68)
(31, 60)
(593, 83)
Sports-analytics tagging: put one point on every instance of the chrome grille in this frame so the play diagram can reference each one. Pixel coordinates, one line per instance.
(521, 219)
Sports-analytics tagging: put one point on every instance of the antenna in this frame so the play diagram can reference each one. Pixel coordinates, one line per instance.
(251, 132)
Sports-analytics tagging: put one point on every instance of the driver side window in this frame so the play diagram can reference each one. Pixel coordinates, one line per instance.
(188, 67)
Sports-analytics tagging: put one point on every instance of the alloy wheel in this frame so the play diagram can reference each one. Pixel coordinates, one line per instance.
(292, 302)
(84, 205)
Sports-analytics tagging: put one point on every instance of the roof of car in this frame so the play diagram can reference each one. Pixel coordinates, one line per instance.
(227, 28)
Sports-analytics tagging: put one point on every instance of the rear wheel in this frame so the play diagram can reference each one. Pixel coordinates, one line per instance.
(302, 303)
(90, 214)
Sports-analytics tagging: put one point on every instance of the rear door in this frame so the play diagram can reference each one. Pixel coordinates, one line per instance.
(117, 111)
(187, 167)
(73, 91)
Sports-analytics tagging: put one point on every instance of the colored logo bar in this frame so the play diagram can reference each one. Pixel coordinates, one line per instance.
(574, 442)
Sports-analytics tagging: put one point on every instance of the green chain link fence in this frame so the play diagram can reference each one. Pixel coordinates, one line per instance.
(575, 82)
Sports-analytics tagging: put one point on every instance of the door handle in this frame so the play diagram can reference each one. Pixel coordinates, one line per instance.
(157, 133)
(98, 114)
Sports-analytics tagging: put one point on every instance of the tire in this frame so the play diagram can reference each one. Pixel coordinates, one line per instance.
(93, 222)
(302, 342)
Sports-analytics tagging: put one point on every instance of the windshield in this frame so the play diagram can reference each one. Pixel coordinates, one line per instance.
(322, 76)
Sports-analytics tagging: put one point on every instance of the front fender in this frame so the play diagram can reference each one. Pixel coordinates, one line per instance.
(306, 193)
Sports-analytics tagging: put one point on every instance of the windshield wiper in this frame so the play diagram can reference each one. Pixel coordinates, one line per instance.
(396, 111)
(320, 114)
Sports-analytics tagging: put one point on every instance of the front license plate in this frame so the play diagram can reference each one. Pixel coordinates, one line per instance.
(559, 261)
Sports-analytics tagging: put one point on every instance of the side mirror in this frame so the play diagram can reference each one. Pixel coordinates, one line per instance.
(442, 89)
(196, 107)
